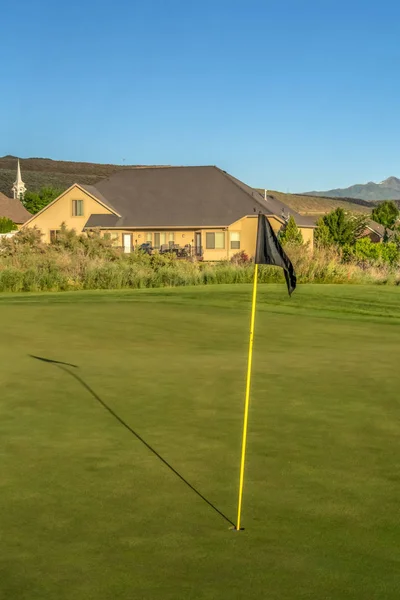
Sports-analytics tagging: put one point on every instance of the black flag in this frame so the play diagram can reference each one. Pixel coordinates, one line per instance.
(270, 252)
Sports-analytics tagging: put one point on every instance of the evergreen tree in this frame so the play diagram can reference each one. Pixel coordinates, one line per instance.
(322, 234)
(340, 228)
(291, 234)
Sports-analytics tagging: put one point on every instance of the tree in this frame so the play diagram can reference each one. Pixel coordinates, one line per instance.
(340, 228)
(6, 225)
(291, 234)
(35, 201)
(387, 214)
(322, 234)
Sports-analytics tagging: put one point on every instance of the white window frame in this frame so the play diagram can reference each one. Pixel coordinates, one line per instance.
(237, 241)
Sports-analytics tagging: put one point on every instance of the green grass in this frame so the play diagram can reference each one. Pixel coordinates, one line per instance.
(89, 513)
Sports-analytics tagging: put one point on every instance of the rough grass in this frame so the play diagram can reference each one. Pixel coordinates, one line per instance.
(89, 513)
(82, 263)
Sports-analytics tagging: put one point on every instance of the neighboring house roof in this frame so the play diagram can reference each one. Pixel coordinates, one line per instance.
(13, 209)
(181, 197)
(378, 228)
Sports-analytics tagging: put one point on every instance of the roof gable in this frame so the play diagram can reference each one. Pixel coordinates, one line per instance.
(61, 196)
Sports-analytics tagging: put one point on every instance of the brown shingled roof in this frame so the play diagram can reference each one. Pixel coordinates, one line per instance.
(182, 197)
(378, 228)
(13, 209)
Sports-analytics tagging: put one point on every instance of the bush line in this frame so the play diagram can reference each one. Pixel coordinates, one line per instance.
(77, 262)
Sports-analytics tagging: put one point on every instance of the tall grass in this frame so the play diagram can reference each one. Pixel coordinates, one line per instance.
(81, 262)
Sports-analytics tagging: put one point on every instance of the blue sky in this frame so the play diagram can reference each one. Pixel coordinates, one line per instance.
(286, 94)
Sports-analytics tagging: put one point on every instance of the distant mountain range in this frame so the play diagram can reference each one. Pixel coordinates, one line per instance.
(389, 189)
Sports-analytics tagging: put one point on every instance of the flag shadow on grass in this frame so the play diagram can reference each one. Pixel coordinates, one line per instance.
(64, 367)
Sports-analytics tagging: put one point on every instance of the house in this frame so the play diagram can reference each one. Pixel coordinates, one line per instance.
(13, 209)
(203, 208)
(376, 232)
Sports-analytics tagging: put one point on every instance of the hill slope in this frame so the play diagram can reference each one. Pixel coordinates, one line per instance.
(317, 206)
(41, 172)
(389, 189)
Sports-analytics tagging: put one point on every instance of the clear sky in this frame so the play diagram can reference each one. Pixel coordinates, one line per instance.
(285, 94)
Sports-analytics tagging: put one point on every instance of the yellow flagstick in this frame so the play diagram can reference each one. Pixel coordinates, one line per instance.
(247, 400)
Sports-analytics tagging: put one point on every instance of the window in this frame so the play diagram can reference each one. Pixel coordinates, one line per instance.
(53, 235)
(171, 236)
(235, 240)
(149, 237)
(215, 240)
(77, 208)
(159, 239)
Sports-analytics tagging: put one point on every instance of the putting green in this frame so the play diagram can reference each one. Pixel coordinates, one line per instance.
(88, 512)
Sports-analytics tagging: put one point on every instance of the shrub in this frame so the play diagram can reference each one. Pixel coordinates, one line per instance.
(91, 262)
(11, 280)
(240, 258)
(6, 225)
(366, 250)
(27, 241)
(93, 244)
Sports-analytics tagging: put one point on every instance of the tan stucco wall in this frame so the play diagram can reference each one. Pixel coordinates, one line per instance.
(181, 237)
(248, 233)
(247, 227)
(61, 212)
(216, 253)
(308, 236)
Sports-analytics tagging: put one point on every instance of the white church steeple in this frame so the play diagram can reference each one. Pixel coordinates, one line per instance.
(19, 188)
